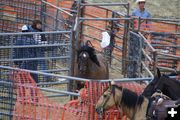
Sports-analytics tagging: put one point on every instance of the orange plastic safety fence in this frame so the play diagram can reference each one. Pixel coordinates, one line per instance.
(32, 104)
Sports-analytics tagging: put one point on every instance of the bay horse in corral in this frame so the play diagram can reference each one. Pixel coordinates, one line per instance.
(135, 107)
(90, 65)
(165, 84)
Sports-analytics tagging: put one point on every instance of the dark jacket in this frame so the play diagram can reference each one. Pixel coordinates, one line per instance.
(27, 52)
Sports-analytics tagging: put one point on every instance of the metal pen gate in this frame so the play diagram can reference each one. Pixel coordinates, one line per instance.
(27, 51)
(57, 56)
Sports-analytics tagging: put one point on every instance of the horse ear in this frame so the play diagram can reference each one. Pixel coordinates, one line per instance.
(110, 84)
(158, 73)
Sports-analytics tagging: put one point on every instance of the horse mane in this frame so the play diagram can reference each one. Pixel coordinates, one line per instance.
(129, 97)
(165, 78)
(91, 52)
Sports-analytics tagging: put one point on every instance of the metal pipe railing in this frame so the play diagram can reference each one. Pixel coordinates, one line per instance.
(35, 46)
(147, 56)
(37, 58)
(126, 79)
(104, 19)
(147, 69)
(28, 85)
(32, 33)
(104, 4)
(47, 74)
(146, 41)
(166, 68)
(169, 55)
(59, 8)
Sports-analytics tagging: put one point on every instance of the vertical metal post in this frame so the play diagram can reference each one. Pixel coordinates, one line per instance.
(132, 24)
(72, 60)
(75, 37)
(56, 20)
(155, 62)
(125, 41)
(79, 23)
(139, 24)
(76, 27)
(43, 16)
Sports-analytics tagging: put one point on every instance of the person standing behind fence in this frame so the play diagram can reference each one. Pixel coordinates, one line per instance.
(41, 40)
(141, 12)
(25, 53)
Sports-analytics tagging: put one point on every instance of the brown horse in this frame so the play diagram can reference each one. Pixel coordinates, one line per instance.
(89, 65)
(134, 106)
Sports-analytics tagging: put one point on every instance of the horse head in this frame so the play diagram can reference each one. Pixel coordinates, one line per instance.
(84, 56)
(152, 86)
(132, 105)
(108, 100)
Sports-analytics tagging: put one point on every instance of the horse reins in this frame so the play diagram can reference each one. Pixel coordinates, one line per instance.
(114, 100)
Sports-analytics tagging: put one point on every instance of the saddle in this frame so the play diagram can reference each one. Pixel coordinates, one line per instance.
(158, 105)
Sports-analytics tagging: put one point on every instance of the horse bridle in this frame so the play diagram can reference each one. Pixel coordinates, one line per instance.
(102, 107)
(108, 96)
(83, 61)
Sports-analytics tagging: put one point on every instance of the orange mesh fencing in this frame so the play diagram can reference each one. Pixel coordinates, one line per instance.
(32, 104)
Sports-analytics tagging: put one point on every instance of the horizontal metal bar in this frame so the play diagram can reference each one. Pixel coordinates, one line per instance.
(104, 19)
(56, 95)
(37, 58)
(103, 4)
(42, 45)
(174, 46)
(43, 89)
(95, 38)
(126, 79)
(120, 14)
(48, 74)
(5, 114)
(99, 29)
(160, 19)
(59, 91)
(59, 8)
(166, 58)
(170, 55)
(52, 83)
(119, 47)
(166, 68)
(32, 33)
(53, 17)
(55, 70)
(170, 32)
